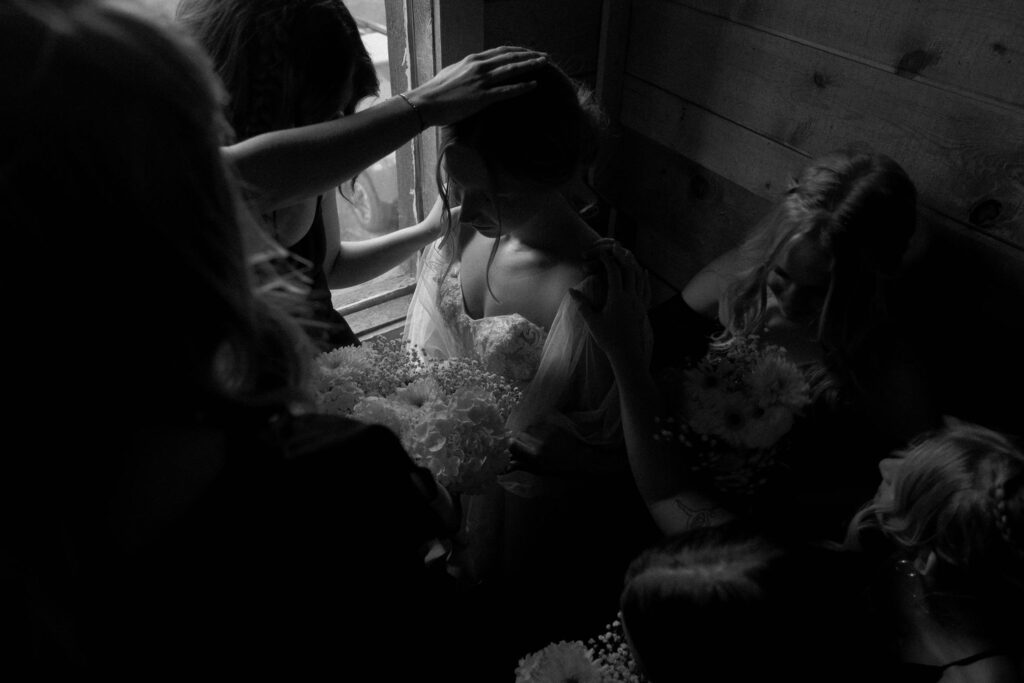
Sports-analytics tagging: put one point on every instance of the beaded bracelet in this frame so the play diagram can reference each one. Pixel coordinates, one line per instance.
(416, 109)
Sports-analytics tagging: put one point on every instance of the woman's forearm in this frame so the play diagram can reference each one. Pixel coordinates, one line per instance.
(655, 468)
(282, 167)
(358, 262)
(675, 504)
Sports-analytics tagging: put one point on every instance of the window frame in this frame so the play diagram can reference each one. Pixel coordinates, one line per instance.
(431, 35)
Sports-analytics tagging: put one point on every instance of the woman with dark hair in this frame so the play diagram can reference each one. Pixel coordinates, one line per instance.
(495, 288)
(295, 70)
(184, 511)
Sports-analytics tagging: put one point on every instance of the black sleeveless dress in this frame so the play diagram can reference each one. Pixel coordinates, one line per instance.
(326, 327)
(304, 554)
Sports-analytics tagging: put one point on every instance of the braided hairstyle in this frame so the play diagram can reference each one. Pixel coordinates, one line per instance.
(958, 492)
(285, 63)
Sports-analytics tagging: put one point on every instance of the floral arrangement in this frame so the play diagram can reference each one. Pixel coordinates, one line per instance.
(450, 415)
(562, 662)
(604, 659)
(736, 406)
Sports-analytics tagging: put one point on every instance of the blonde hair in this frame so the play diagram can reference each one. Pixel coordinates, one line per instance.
(861, 209)
(957, 492)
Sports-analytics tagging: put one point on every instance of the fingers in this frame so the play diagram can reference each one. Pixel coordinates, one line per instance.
(505, 92)
(503, 69)
(635, 276)
(612, 271)
(510, 51)
(585, 306)
(528, 57)
(598, 246)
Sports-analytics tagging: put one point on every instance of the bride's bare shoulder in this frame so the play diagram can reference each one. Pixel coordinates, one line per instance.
(550, 287)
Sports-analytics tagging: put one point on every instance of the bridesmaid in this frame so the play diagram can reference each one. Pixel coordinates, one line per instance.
(812, 279)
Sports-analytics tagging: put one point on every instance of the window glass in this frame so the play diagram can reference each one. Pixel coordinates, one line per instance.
(368, 206)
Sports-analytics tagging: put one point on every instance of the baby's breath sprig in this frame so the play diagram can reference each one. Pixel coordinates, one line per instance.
(396, 364)
(612, 653)
(454, 373)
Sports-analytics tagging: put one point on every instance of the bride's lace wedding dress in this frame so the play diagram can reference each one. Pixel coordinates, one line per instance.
(558, 530)
(565, 378)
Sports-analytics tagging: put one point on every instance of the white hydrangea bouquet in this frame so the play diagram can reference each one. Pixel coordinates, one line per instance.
(735, 408)
(449, 415)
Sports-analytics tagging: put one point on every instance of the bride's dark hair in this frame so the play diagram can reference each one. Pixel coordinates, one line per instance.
(545, 138)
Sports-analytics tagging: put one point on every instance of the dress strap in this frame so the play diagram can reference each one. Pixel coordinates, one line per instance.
(984, 654)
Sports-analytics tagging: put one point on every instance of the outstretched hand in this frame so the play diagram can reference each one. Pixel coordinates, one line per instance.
(618, 325)
(477, 80)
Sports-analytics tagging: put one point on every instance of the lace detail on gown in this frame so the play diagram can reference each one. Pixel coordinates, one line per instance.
(509, 345)
(565, 378)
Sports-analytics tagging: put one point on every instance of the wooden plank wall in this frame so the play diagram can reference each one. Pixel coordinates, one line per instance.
(721, 102)
(568, 30)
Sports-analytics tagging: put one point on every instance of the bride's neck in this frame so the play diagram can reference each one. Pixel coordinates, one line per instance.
(545, 221)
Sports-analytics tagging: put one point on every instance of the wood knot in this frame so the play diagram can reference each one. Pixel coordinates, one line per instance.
(913, 63)
(986, 212)
(821, 80)
(999, 48)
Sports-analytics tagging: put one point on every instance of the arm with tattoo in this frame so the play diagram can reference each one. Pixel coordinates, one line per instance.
(661, 478)
(686, 511)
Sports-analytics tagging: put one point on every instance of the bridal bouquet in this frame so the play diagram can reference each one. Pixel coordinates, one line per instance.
(736, 406)
(604, 659)
(450, 415)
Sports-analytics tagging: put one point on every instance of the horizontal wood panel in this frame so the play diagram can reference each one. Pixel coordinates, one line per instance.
(966, 157)
(753, 161)
(568, 30)
(974, 45)
(681, 215)
(958, 297)
(961, 300)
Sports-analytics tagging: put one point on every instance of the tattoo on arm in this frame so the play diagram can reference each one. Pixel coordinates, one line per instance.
(701, 516)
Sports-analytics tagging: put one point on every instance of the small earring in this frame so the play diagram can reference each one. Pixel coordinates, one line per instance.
(906, 569)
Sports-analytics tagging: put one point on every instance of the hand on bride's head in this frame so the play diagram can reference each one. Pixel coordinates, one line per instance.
(464, 88)
(616, 320)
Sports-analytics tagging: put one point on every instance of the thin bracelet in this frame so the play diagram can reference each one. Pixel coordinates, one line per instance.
(416, 109)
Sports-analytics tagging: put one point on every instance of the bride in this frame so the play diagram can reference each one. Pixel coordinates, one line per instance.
(495, 286)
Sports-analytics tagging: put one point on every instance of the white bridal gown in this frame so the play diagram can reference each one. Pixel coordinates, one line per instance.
(565, 378)
(567, 386)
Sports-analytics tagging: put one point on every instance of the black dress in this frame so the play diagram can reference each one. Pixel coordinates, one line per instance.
(304, 554)
(327, 328)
